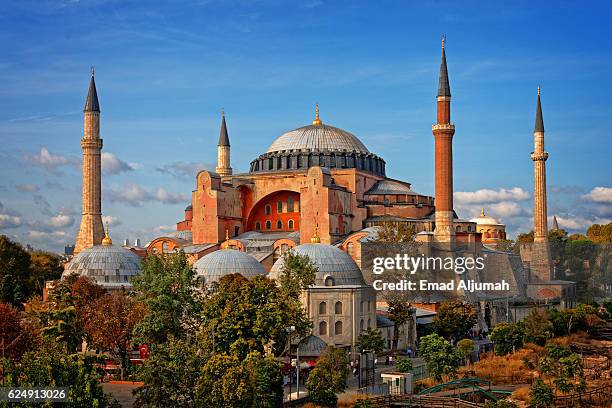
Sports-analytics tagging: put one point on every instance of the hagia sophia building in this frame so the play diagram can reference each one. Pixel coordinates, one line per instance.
(320, 191)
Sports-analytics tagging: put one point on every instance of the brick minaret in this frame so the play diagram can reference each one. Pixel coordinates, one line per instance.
(223, 150)
(91, 231)
(443, 132)
(540, 263)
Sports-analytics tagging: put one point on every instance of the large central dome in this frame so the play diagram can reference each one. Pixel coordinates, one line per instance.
(317, 145)
(318, 137)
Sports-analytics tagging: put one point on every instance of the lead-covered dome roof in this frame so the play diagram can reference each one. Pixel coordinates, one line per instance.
(108, 265)
(217, 264)
(318, 137)
(334, 266)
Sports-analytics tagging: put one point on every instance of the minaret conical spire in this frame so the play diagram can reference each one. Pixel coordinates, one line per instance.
(92, 104)
(223, 136)
(539, 121)
(443, 84)
(555, 224)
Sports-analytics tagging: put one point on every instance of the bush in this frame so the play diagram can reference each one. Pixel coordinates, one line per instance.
(404, 365)
(541, 394)
(507, 337)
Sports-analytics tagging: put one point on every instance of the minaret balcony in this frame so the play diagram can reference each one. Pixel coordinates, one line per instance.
(443, 127)
(539, 156)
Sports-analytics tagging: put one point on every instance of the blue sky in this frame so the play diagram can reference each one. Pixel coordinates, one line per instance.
(165, 69)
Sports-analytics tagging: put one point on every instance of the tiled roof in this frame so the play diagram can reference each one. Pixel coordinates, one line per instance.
(108, 265)
(319, 137)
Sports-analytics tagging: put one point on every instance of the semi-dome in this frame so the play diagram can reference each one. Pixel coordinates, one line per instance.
(334, 266)
(108, 265)
(485, 219)
(215, 265)
(321, 145)
(318, 137)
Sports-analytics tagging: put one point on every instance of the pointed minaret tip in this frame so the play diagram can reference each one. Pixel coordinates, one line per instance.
(443, 83)
(317, 120)
(107, 240)
(223, 136)
(555, 226)
(92, 104)
(539, 121)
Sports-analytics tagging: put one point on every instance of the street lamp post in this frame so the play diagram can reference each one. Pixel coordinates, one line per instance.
(289, 329)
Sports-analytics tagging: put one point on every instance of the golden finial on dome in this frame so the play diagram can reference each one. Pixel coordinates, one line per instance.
(315, 238)
(317, 120)
(482, 214)
(107, 240)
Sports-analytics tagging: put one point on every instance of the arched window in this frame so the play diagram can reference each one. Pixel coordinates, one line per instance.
(361, 325)
(322, 308)
(338, 328)
(236, 230)
(165, 247)
(350, 248)
(268, 209)
(323, 328)
(362, 307)
(268, 224)
(369, 323)
(290, 224)
(329, 281)
(279, 224)
(458, 228)
(279, 207)
(257, 226)
(338, 308)
(290, 204)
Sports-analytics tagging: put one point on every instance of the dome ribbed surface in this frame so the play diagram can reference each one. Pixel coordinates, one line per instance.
(215, 265)
(330, 261)
(108, 265)
(320, 137)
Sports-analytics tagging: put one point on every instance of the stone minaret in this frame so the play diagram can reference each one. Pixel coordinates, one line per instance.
(540, 263)
(443, 132)
(223, 150)
(91, 231)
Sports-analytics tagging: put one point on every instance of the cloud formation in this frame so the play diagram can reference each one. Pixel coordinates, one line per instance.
(48, 160)
(60, 221)
(110, 220)
(184, 170)
(9, 218)
(491, 196)
(111, 164)
(599, 195)
(136, 195)
(27, 188)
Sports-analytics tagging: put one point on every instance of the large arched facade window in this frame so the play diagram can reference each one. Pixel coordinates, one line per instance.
(350, 248)
(338, 308)
(257, 226)
(322, 308)
(338, 328)
(268, 209)
(290, 224)
(329, 281)
(290, 204)
(323, 328)
(279, 207)
(279, 225)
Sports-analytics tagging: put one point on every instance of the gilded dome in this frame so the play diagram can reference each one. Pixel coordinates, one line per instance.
(317, 137)
(217, 264)
(334, 266)
(108, 265)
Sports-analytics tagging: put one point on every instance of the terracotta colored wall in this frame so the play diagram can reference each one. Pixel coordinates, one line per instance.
(258, 213)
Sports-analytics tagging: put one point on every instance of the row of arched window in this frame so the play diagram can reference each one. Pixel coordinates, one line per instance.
(459, 229)
(279, 225)
(279, 206)
(323, 308)
(338, 326)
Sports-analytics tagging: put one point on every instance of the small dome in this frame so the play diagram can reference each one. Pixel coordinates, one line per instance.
(335, 267)
(390, 187)
(215, 265)
(108, 265)
(318, 137)
(485, 219)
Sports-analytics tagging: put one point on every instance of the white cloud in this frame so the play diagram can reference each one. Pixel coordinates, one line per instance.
(111, 164)
(507, 209)
(49, 160)
(579, 223)
(55, 237)
(183, 169)
(491, 196)
(136, 195)
(27, 188)
(60, 221)
(110, 220)
(599, 195)
(9, 218)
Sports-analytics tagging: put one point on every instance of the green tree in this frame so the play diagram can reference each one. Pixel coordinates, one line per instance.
(399, 314)
(371, 340)
(15, 275)
(266, 381)
(243, 315)
(404, 365)
(44, 266)
(168, 288)
(394, 232)
(454, 319)
(224, 382)
(297, 274)
(466, 348)
(541, 394)
(50, 366)
(563, 367)
(507, 337)
(601, 234)
(538, 329)
(328, 378)
(441, 357)
(169, 374)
